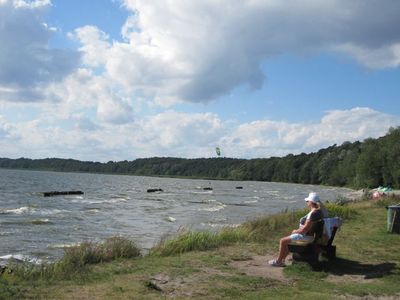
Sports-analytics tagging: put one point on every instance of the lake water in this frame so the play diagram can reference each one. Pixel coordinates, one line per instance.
(39, 227)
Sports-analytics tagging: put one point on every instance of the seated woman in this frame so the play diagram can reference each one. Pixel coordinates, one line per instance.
(304, 232)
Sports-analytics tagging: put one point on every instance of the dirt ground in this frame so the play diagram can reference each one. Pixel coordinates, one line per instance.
(253, 266)
(258, 266)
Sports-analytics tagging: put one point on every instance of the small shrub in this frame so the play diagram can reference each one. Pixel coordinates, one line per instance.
(76, 259)
(119, 247)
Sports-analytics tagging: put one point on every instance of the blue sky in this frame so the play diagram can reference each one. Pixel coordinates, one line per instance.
(124, 79)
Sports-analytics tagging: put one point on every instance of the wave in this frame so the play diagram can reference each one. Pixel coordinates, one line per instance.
(208, 201)
(20, 258)
(17, 211)
(100, 201)
(52, 211)
(202, 192)
(215, 208)
(40, 222)
(240, 204)
(251, 201)
(92, 209)
(219, 225)
(62, 246)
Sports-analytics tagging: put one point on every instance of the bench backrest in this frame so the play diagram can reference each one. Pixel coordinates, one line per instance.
(330, 228)
(318, 229)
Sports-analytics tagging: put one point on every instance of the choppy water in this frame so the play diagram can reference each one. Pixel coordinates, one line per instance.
(39, 227)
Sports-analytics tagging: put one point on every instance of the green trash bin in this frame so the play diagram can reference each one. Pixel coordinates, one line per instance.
(393, 218)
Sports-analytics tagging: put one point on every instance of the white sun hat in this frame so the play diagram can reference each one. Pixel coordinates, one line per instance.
(313, 197)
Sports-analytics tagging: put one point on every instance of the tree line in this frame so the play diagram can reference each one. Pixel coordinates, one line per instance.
(370, 163)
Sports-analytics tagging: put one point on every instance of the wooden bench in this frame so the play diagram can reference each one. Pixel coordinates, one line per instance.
(321, 244)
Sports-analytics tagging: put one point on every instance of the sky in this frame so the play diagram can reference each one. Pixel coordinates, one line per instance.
(112, 80)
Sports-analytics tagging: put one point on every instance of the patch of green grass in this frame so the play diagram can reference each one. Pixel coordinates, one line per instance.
(304, 270)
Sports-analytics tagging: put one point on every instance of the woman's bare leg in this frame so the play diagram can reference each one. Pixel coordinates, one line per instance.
(283, 248)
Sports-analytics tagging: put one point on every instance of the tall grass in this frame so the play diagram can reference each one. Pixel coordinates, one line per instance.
(200, 241)
(76, 259)
(257, 230)
(342, 211)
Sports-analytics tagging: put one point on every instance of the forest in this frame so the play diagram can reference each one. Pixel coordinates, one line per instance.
(366, 164)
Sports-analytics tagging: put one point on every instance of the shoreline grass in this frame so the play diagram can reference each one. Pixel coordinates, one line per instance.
(368, 263)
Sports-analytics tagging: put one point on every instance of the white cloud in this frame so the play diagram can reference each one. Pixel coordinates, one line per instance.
(188, 135)
(177, 51)
(267, 138)
(30, 4)
(83, 92)
(114, 110)
(377, 58)
(95, 45)
(171, 130)
(27, 63)
(174, 51)
(350, 125)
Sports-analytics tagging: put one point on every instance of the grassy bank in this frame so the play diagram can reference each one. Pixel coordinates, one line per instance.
(204, 265)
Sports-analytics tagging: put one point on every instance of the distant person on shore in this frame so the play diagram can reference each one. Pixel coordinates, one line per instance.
(304, 232)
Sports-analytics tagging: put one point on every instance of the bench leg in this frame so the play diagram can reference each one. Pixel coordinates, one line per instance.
(310, 256)
(329, 252)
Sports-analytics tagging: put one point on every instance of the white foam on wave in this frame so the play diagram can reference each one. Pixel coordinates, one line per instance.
(210, 201)
(116, 200)
(4, 233)
(62, 246)
(219, 225)
(215, 208)
(17, 211)
(52, 211)
(40, 221)
(170, 219)
(21, 258)
(202, 192)
(93, 210)
(251, 201)
(101, 201)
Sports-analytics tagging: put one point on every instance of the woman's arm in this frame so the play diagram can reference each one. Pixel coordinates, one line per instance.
(304, 229)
